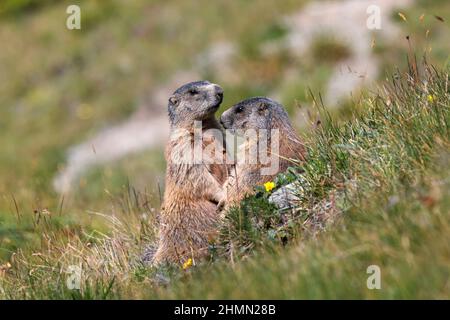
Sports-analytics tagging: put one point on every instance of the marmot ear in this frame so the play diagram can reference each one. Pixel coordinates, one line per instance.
(173, 100)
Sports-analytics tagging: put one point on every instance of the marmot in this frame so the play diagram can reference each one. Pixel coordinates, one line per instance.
(189, 215)
(252, 115)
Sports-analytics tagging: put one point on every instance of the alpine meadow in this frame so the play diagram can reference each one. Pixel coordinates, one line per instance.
(86, 179)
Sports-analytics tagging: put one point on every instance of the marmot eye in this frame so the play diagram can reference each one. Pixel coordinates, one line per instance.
(193, 91)
(239, 109)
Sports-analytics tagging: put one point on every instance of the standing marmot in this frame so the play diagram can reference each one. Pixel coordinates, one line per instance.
(252, 115)
(193, 187)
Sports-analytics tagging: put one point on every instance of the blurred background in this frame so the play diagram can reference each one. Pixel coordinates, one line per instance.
(83, 112)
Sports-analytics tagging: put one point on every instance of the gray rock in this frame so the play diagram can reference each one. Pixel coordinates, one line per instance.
(288, 196)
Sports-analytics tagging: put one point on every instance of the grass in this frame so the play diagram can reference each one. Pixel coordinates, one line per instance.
(375, 192)
(386, 173)
(377, 176)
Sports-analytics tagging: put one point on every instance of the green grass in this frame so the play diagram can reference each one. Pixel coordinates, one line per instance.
(387, 175)
(384, 175)
(380, 160)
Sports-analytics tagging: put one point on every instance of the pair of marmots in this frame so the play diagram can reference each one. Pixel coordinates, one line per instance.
(198, 187)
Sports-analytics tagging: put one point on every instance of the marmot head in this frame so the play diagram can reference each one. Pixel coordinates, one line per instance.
(255, 113)
(194, 101)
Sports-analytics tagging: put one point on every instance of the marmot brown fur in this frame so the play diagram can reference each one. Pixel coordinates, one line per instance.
(256, 114)
(193, 186)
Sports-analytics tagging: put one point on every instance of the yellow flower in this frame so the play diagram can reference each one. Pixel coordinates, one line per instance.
(269, 186)
(430, 98)
(187, 264)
